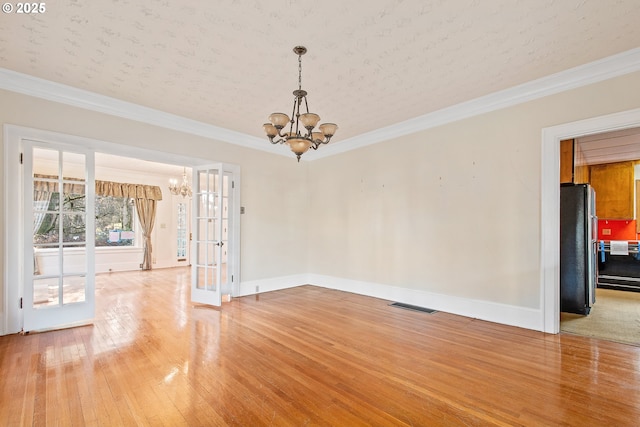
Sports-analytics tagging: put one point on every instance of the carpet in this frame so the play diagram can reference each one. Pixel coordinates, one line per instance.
(615, 317)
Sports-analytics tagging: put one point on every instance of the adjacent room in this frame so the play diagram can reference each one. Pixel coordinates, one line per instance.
(302, 213)
(600, 279)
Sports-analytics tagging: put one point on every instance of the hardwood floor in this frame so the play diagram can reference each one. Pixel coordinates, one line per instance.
(304, 356)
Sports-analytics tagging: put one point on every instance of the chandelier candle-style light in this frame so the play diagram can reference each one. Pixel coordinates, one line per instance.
(184, 189)
(301, 135)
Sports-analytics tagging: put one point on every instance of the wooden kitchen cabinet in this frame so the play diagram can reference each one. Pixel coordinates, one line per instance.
(573, 168)
(614, 186)
(566, 161)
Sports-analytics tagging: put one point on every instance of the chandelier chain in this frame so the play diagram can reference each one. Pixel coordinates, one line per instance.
(299, 72)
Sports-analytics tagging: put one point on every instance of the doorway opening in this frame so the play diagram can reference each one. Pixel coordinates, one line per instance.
(122, 250)
(550, 206)
(607, 163)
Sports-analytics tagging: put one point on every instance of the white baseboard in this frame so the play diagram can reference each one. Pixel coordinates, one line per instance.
(118, 266)
(273, 284)
(485, 310)
(522, 317)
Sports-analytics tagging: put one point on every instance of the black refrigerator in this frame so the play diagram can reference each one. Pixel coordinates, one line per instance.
(578, 248)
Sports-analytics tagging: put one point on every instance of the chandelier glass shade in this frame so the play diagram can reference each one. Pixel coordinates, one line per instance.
(184, 189)
(301, 134)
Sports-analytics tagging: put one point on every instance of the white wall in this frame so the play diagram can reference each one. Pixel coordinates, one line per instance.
(448, 217)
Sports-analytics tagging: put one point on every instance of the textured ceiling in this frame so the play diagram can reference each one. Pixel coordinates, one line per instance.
(229, 63)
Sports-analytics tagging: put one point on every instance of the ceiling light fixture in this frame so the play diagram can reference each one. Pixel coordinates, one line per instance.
(299, 141)
(184, 189)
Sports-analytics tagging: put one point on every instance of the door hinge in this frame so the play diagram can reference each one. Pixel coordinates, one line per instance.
(233, 184)
(21, 158)
(20, 302)
(232, 278)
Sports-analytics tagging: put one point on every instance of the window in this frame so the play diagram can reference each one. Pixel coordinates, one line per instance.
(47, 216)
(182, 232)
(115, 219)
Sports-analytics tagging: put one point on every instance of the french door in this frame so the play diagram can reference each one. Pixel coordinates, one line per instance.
(59, 238)
(212, 275)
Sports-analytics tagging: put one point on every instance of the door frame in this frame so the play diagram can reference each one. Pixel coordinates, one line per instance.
(550, 204)
(11, 320)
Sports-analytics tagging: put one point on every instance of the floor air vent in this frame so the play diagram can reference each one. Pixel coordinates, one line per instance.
(412, 307)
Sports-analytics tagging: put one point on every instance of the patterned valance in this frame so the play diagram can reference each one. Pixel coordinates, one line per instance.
(133, 191)
(46, 183)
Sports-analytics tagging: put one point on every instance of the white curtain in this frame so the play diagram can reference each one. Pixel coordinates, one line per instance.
(41, 201)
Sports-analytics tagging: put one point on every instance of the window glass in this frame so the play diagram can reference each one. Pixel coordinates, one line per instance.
(115, 219)
(182, 232)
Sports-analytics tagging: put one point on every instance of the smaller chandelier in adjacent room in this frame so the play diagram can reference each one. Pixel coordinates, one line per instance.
(184, 189)
(301, 134)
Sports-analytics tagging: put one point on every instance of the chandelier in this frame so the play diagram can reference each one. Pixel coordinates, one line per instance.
(184, 189)
(301, 135)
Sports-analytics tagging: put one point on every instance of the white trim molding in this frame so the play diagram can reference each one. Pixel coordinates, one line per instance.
(253, 287)
(68, 95)
(597, 71)
(11, 319)
(550, 203)
(603, 69)
(522, 317)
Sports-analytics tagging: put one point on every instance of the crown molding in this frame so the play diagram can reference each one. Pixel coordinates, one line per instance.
(593, 72)
(56, 92)
(607, 68)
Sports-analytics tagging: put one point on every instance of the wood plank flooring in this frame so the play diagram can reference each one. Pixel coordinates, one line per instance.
(304, 356)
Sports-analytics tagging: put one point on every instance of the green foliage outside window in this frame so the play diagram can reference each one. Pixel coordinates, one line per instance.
(113, 216)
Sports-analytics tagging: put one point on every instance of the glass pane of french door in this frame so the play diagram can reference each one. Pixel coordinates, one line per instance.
(206, 278)
(182, 231)
(59, 240)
